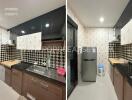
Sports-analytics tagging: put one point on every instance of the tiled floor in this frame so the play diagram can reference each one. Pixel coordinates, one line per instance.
(100, 90)
(7, 93)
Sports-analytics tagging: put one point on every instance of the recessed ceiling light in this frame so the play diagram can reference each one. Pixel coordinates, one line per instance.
(23, 32)
(47, 25)
(101, 19)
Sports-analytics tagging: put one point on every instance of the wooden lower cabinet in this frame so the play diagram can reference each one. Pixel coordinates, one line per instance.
(118, 83)
(38, 89)
(8, 76)
(111, 72)
(127, 90)
(16, 81)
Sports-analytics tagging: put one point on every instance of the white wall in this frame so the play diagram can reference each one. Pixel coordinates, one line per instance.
(4, 36)
(93, 37)
(100, 38)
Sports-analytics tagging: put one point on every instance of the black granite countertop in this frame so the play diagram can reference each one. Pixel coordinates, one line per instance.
(50, 75)
(125, 70)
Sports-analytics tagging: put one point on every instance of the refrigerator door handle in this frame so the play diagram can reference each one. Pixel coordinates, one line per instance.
(89, 59)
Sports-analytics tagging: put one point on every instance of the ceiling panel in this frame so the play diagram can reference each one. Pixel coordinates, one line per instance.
(15, 12)
(90, 11)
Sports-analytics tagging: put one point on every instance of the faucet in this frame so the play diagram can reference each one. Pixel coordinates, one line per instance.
(35, 63)
(48, 61)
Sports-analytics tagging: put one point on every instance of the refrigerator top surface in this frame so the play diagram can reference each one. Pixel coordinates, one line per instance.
(89, 53)
(89, 49)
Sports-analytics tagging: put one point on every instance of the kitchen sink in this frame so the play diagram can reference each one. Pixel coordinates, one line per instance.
(41, 70)
(37, 69)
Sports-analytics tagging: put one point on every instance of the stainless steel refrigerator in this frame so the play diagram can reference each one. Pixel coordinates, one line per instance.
(89, 64)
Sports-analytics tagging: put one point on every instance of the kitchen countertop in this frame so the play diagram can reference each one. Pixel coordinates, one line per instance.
(9, 63)
(52, 76)
(124, 69)
(117, 61)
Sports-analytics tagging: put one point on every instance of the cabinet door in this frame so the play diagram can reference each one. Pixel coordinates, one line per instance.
(16, 80)
(126, 33)
(19, 41)
(127, 90)
(129, 32)
(36, 41)
(8, 76)
(29, 42)
(40, 89)
(118, 84)
(2, 73)
(111, 72)
(123, 35)
(25, 42)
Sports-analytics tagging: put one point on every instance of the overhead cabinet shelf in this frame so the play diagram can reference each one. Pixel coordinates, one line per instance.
(30, 41)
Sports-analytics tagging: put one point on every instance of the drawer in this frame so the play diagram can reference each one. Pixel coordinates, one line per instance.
(16, 81)
(41, 89)
(56, 89)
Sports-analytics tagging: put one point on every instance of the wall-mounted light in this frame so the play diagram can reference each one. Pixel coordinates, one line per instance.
(47, 25)
(101, 19)
(23, 32)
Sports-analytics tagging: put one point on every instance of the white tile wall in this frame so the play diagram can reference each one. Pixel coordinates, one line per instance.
(100, 38)
(4, 36)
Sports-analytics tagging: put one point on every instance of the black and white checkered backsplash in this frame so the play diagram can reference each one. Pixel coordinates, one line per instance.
(57, 55)
(116, 50)
(126, 52)
(8, 53)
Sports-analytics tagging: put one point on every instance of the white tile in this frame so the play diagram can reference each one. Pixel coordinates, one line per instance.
(102, 89)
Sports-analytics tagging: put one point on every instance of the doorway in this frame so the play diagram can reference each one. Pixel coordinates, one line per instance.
(72, 70)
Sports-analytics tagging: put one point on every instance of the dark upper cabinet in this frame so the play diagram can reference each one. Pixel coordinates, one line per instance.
(55, 19)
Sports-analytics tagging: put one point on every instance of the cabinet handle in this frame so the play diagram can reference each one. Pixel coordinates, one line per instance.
(30, 96)
(14, 72)
(33, 80)
(44, 85)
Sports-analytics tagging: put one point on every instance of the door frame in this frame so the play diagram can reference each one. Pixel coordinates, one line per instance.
(71, 22)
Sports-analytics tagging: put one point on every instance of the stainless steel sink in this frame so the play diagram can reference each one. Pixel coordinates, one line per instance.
(37, 69)
(41, 70)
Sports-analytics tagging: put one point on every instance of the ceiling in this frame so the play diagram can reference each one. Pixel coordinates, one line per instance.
(15, 12)
(90, 11)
